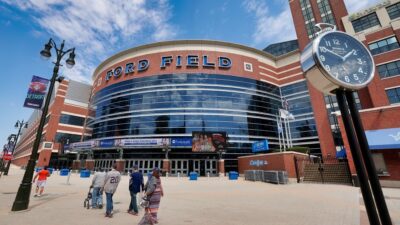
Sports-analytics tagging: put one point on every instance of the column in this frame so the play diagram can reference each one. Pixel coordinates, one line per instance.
(120, 163)
(166, 166)
(221, 167)
(89, 164)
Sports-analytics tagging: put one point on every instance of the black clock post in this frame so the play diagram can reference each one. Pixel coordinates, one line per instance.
(337, 63)
(369, 163)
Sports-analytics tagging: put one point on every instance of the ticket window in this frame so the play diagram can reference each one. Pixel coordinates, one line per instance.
(380, 164)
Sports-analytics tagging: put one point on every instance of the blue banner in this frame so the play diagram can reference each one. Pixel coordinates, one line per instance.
(260, 146)
(383, 138)
(181, 142)
(108, 143)
(37, 91)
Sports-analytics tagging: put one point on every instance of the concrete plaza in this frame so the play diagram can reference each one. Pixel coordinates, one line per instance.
(211, 201)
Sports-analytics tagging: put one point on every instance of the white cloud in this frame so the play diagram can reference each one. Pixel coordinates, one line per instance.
(99, 28)
(356, 5)
(271, 28)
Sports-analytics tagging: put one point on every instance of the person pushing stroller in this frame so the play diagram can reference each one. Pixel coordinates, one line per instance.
(97, 184)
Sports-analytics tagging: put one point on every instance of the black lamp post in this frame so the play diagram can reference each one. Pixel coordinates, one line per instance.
(22, 199)
(19, 125)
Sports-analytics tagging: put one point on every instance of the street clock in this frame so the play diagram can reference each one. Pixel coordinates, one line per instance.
(335, 60)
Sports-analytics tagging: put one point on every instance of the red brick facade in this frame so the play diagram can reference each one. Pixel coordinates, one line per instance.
(57, 106)
(273, 161)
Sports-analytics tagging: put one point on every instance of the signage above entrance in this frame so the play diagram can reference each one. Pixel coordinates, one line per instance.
(190, 61)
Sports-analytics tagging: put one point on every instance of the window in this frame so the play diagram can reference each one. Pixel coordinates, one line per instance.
(365, 22)
(383, 45)
(326, 12)
(380, 164)
(72, 120)
(389, 69)
(394, 11)
(308, 17)
(393, 95)
(70, 137)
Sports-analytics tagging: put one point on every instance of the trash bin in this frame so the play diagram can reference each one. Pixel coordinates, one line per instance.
(38, 169)
(85, 173)
(50, 170)
(64, 172)
(233, 175)
(192, 176)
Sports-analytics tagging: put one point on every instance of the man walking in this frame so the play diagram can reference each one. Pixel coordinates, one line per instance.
(110, 186)
(136, 185)
(97, 184)
(41, 182)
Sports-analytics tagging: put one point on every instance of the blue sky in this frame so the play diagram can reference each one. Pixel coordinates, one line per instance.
(99, 29)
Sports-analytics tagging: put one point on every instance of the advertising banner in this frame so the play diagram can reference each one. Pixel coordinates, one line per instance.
(383, 138)
(208, 141)
(259, 146)
(181, 142)
(108, 143)
(83, 145)
(142, 142)
(36, 92)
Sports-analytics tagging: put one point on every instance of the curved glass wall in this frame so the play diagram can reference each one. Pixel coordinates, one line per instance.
(174, 105)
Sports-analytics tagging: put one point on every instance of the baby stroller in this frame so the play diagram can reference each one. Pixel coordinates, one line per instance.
(86, 203)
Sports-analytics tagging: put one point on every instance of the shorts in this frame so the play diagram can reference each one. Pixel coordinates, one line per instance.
(41, 183)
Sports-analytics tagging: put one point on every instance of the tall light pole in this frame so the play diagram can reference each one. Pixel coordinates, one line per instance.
(21, 201)
(19, 125)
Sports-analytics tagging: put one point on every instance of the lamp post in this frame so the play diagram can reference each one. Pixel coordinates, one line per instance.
(19, 125)
(21, 201)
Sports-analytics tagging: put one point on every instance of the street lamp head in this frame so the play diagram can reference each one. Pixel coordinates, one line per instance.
(71, 60)
(45, 53)
(16, 124)
(26, 125)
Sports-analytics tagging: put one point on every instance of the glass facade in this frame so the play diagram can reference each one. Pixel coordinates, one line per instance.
(389, 69)
(384, 45)
(365, 22)
(282, 48)
(394, 11)
(175, 105)
(303, 129)
(72, 120)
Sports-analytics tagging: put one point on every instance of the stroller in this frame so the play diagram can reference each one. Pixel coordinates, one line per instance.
(86, 203)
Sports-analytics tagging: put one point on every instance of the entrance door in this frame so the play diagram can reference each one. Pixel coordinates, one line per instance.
(210, 167)
(179, 166)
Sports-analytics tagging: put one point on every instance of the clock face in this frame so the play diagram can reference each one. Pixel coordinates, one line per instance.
(344, 60)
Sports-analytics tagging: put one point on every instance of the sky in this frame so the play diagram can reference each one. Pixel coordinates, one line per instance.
(100, 28)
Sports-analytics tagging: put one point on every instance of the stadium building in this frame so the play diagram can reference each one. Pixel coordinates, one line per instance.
(146, 103)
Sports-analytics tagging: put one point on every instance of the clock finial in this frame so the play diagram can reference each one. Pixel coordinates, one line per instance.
(324, 27)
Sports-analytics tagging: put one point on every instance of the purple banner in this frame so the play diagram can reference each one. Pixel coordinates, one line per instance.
(36, 92)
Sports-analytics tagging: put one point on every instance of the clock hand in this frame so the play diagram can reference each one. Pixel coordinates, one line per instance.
(334, 53)
(348, 54)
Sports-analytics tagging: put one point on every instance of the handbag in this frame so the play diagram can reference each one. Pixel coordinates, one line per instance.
(145, 202)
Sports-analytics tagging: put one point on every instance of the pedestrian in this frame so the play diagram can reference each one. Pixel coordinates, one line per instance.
(136, 185)
(97, 184)
(110, 186)
(154, 192)
(41, 182)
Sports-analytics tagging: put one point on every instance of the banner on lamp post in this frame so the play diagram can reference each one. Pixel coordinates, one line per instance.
(36, 93)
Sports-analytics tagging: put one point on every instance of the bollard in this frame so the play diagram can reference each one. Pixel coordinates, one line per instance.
(208, 174)
(179, 175)
(69, 175)
(166, 174)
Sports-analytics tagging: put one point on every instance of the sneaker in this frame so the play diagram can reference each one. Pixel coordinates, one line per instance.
(100, 206)
(35, 195)
(39, 195)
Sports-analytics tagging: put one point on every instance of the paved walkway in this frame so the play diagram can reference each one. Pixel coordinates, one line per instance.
(210, 201)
